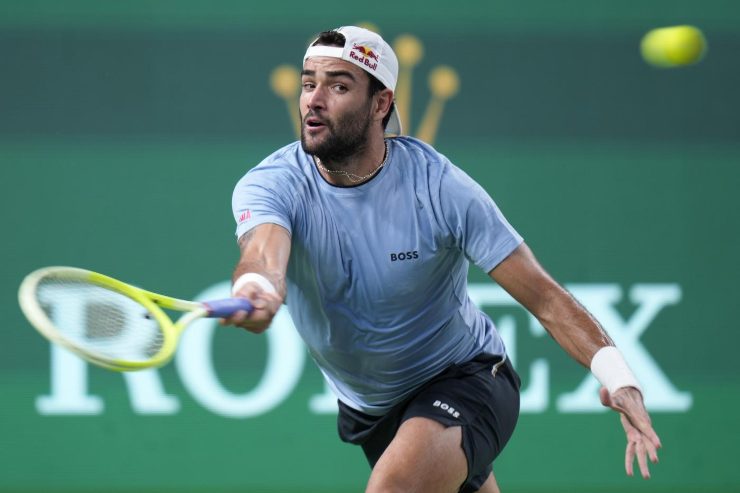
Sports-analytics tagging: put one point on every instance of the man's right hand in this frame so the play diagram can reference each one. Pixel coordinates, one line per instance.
(265, 304)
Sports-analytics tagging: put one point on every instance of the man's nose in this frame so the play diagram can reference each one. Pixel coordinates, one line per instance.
(316, 99)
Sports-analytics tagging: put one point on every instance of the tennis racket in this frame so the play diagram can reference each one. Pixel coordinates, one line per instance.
(108, 322)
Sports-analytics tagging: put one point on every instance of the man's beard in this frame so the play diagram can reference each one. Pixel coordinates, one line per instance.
(346, 137)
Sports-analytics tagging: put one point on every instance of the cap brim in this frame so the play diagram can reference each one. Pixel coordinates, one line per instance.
(393, 129)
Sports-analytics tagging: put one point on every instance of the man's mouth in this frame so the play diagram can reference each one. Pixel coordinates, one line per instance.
(313, 122)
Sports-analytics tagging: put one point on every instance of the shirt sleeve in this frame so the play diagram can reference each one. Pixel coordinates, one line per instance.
(479, 228)
(260, 197)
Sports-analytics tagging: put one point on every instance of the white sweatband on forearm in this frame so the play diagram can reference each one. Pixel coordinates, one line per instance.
(611, 370)
(258, 279)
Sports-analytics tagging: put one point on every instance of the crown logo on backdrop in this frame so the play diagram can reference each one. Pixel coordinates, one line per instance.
(444, 83)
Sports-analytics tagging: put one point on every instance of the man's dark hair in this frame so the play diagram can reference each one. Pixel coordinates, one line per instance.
(335, 38)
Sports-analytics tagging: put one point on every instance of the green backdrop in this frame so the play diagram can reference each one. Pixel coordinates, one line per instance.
(125, 125)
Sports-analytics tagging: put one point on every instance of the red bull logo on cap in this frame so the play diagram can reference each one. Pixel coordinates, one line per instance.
(364, 55)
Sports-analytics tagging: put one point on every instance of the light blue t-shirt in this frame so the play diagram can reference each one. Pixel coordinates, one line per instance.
(377, 276)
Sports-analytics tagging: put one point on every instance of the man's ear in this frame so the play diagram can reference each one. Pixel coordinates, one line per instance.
(384, 101)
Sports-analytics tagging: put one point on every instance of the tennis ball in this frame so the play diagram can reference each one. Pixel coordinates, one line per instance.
(673, 46)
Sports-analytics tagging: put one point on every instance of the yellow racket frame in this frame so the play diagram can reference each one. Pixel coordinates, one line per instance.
(153, 302)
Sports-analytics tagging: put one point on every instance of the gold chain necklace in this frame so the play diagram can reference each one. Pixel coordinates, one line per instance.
(351, 176)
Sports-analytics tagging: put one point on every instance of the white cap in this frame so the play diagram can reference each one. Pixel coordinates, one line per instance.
(371, 53)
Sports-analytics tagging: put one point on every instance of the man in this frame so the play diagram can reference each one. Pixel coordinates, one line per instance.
(368, 239)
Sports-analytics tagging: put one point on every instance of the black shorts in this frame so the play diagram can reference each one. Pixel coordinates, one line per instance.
(481, 396)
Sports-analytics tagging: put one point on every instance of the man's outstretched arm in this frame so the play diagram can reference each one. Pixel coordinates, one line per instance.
(581, 335)
(259, 276)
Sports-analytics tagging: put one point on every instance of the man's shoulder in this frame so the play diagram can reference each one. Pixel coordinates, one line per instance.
(418, 148)
(286, 163)
(420, 161)
(290, 156)
(283, 169)
(433, 169)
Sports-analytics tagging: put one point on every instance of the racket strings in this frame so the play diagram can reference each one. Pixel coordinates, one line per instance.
(100, 321)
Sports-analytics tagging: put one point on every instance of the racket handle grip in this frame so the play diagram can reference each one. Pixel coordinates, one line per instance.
(227, 307)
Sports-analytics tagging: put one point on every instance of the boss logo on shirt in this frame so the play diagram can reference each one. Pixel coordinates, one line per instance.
(404, 256)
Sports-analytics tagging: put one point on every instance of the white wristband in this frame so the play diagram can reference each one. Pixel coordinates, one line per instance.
(258, 279)
(611, 370)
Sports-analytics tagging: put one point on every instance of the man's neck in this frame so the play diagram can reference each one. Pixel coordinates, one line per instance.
(356, 169)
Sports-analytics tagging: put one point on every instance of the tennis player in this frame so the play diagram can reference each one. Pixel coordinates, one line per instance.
(367, 236)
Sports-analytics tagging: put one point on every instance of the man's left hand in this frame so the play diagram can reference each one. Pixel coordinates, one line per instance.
(642, 441)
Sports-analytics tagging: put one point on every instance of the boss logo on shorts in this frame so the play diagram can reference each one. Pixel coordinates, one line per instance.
(404, 256)
(446, 407)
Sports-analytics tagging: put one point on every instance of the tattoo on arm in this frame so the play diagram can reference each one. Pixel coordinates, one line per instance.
(245, 239)
(258, 264)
